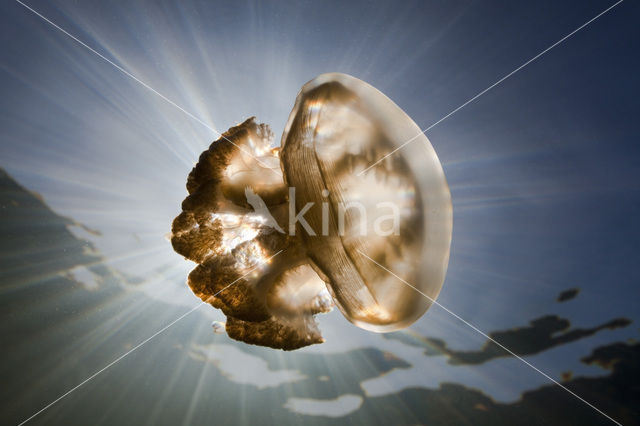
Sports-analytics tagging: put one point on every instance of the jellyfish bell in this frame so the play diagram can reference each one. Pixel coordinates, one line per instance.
(357, 228)
(338, 128)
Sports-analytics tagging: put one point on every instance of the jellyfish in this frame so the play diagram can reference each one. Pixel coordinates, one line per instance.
(281, 234)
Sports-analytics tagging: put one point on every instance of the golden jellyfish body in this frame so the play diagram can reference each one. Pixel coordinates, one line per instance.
(319, 221)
